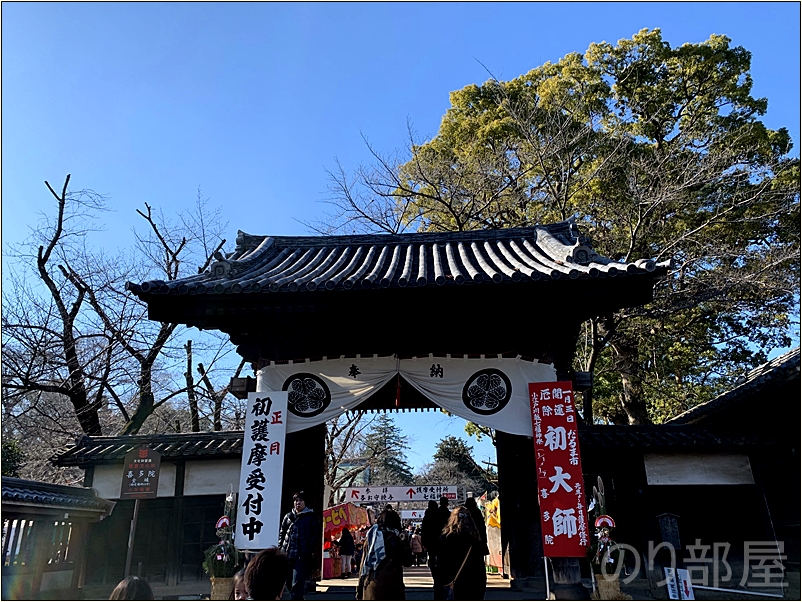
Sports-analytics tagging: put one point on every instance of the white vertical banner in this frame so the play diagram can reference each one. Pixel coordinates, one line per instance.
(259, 511)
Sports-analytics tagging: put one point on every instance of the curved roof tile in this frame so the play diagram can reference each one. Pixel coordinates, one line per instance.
(36, 493)
(286, 264)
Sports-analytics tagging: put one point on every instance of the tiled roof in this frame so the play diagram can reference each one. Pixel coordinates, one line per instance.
(227, 444)
(35, 493)
(92, 450)
(262, 264)
(657, 436)
(781, 369)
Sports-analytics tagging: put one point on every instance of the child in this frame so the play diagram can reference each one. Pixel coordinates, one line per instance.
(239, 592)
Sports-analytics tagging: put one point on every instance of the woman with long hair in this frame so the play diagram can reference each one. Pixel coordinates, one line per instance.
(132, 588)
(346, 545)
(385, 554)
(460, 558)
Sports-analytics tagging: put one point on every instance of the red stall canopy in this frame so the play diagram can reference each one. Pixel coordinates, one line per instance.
(344, 515)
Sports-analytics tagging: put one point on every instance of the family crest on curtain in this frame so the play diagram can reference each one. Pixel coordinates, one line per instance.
(490, 391)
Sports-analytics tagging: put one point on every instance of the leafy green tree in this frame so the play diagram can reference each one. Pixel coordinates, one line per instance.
(13, 458)
(388, 446)
(457, 451)
(657, 152)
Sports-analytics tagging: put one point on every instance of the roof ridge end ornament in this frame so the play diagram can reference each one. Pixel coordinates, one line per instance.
(227, 267)
(220, 268)
(578, 251)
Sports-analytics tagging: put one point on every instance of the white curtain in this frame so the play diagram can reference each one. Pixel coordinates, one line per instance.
(493, 392)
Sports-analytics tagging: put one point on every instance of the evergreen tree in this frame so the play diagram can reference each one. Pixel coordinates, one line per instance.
(456, 451)
(13, 458)
(658, 152)
(387, 445)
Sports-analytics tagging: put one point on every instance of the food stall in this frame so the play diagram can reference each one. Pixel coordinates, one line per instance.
(335, 519)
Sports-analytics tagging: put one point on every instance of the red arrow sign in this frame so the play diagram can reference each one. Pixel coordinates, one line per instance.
(354, 493)
(410, 492)
(687, 591)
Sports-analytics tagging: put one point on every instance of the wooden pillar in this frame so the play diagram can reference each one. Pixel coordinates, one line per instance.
(304, 463)
(175, 532)
(520, 510)
(42, 548)
(77, 552)
(521, 533)
(566, 571)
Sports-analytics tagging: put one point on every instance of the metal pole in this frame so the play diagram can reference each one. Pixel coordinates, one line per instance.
(131, 539)
(738, 591)
(546, 571)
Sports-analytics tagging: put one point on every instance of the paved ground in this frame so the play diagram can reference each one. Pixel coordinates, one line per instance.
(418, 582)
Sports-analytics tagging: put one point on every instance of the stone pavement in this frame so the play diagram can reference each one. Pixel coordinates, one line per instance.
(418, 582)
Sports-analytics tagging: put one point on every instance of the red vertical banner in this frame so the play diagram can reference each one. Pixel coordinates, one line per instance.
(561, 490)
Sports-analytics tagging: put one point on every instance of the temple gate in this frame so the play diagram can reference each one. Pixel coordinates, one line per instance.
(499, 301)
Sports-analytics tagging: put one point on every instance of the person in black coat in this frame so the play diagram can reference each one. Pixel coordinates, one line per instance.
(460, 557)
(346, 545)
(478, 520)
(431, 529)
(443, 511)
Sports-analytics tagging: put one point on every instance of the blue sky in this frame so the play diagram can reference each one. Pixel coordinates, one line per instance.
(252, 102)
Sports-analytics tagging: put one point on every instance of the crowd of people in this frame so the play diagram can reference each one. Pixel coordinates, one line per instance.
(452, 542)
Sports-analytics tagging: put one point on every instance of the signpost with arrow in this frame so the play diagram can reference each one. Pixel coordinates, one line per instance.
(405, 493)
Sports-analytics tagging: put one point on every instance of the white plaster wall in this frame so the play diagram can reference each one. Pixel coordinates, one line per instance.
(698, 469)
(108, 480)
(210, 477)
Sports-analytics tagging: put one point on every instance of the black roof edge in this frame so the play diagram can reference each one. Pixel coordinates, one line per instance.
(779, 370)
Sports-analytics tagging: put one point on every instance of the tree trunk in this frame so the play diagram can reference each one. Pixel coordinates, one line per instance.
(193, 400)
(587, 405)
(85, 412)
(143, 410)
(632, 400)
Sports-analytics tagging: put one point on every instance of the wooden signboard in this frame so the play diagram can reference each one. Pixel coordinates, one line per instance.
(140, 481)
(140, 474)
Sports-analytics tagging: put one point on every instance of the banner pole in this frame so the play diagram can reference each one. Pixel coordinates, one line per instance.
(546, 571)
(131, 535)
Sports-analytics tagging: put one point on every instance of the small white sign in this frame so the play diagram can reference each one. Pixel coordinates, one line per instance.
(259, 511)
(685, 585)
(412, 514)
(392, 494)
(671, 584)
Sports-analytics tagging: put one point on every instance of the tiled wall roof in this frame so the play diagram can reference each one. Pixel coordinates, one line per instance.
(90, 450)
(20, 491)
(223, 444)
(779, 370)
